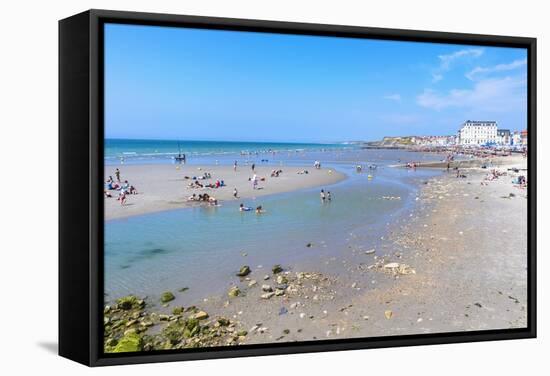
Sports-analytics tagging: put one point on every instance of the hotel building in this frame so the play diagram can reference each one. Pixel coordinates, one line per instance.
(478, 133)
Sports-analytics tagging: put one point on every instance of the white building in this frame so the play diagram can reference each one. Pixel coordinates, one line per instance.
(478, 133)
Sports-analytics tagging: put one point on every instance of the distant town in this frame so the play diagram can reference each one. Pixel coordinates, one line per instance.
(474, 134)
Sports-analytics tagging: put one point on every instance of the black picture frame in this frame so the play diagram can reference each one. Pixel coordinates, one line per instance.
(81, 158)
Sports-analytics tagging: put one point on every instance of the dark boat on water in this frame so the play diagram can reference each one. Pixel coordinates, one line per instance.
(181, 156)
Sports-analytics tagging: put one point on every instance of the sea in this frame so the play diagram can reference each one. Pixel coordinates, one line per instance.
(201, 248)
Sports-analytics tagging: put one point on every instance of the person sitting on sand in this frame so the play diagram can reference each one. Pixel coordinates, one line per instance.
(107, 194)
(244, 208)
(303, 172)
(132, 190)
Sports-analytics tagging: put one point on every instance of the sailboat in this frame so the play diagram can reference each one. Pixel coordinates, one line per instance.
(181, 156)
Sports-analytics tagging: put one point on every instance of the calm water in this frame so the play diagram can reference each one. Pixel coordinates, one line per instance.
(201, 247)
(163, 151)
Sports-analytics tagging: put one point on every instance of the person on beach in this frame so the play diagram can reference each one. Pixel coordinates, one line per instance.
(122, 197)
(323, 197)
(254, 181)
(253, 167)
(184, 158)
(235, 166)
(244, 208)
(235, 193)
(117, 174)
(192, 197)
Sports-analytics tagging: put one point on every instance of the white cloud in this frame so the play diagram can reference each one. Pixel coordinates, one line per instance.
(495, 95)
(447, 60)
(393, 97)
(497, 68)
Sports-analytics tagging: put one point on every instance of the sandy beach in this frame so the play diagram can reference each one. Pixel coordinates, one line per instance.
(164, 186)
(457, 263)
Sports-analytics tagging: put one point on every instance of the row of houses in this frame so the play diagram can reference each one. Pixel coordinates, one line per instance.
(487, 133)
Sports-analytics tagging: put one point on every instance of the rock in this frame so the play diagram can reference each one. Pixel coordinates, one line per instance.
(388, 314)
(201, 315)
(391, 265)
(183, 289)
(286, 331)
(177, 311)
(130, 302)
(266, 277)
(267, 288)
(302, 315)
(129, 343)
(252, 283)
(244, 271)
(279, 292)
(370, 251)
(309, 245)
(166, 297)
(234, 291)
(242, 333)
(282, 280)
(267, 295)
(277, 269)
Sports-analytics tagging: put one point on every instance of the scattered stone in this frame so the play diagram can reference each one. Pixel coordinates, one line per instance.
(302, 315)
(286, 331)
(279, 292)
(267, 295)
(234, 291)
(244, 271)
(388, 314)
(266, 277)
(282, 280)
(183, 289)
(252, 283)
(370, 251)
(129, 343)
(276, 269)
(309, 245)
(166, 297)
(177, 311)
(266, 288)
(201, 315)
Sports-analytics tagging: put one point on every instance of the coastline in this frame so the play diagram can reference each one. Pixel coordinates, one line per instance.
(163, 187)
(458, 268)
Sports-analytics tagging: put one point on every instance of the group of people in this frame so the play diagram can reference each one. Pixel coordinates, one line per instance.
(259, 209)
(203, 198)
(276, 173)
(123, 188)
(325, 197)
(198, 184)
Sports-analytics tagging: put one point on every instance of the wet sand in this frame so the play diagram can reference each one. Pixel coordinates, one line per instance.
(164, 187)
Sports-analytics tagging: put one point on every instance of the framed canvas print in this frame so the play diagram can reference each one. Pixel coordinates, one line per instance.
(254, 187)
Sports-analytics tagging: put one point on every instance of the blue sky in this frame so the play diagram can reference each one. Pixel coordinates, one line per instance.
(189, 84)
